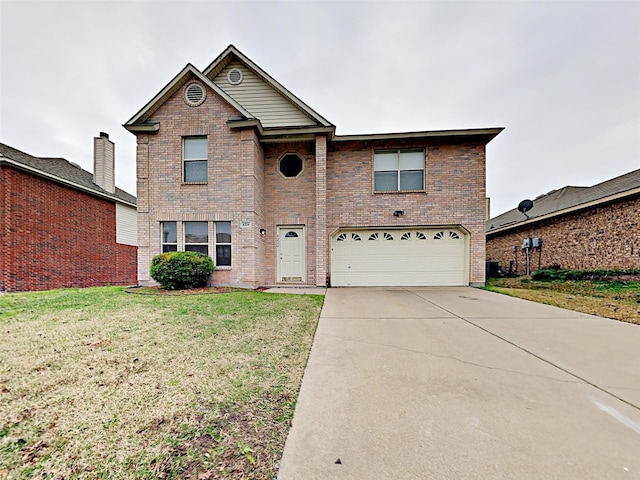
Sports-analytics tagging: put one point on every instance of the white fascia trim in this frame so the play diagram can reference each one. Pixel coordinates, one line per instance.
(493, 132)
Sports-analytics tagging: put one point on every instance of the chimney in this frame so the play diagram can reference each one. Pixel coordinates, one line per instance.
(104, 162)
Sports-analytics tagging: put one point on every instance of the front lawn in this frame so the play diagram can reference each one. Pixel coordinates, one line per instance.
(615, 299)
(102, 384)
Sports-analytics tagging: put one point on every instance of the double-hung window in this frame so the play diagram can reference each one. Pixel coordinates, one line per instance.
(398, 170)
(169, 237)
(196, 237)
(223, 244)
(194, 159)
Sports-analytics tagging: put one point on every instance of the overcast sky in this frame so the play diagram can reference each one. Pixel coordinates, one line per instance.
(562, 77)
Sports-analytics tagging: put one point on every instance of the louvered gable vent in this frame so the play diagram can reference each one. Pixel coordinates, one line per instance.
(234, 76)
(194, 94)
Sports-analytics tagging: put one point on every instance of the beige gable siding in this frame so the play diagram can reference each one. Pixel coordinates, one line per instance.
(126, 225)
(255, 95)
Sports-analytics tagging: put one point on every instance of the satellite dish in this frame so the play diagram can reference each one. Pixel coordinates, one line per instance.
(524, 206)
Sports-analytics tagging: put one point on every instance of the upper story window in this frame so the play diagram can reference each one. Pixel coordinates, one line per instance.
(194, 153)
(398, 170)
(290, 165)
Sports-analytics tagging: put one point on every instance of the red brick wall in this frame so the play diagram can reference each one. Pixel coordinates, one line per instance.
(601, 237)
(56, 237)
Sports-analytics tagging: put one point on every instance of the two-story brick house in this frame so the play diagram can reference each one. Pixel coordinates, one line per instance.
(231, 163)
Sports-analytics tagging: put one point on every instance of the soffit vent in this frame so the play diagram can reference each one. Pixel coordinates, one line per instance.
(194, 94)
(234, 76)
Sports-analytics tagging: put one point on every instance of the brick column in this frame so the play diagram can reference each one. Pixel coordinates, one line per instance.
(143, 213)
(321, 210)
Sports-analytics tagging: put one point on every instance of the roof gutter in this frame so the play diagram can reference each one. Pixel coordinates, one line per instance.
(281, 134)
(143, 127)
(490, 132)
(40, 173)
(575, 208)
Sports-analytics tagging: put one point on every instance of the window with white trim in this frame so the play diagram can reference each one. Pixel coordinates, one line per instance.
(399, 170)
(194, 159)
(223, 244)
(169, 236)
(196, 237)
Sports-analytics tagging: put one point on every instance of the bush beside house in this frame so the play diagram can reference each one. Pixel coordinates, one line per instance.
(181, 270)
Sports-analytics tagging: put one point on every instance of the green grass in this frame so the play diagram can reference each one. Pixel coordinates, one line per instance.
(615, 299)
(100, 383)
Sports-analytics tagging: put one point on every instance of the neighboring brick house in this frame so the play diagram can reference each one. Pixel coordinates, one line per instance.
(62, 226)
(580, 228)
(231, 163)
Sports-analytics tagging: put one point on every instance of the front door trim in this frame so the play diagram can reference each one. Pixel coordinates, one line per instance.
(291, 254)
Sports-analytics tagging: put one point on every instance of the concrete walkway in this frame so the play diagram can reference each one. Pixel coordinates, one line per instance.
(460, 383)
(298, 290)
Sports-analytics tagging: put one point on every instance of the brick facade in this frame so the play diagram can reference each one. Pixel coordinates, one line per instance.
(605, 236)
(55, 236)
(454, 194)
(335, 189)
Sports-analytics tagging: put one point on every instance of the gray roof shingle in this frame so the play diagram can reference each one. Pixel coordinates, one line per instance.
(64, 171)
(564, 198)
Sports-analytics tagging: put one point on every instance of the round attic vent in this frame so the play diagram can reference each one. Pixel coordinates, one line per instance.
(234, 76)
(194, 94)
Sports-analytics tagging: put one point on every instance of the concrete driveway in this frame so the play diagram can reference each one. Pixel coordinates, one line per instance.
(460, 383)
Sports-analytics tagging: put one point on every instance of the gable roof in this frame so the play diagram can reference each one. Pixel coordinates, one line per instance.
(568, 199)
(231, 54)
(139, 121)
(257, 101)
(61, 171)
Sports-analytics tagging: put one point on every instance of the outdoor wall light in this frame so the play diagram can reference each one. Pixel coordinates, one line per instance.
(263, 232)
(398, 213)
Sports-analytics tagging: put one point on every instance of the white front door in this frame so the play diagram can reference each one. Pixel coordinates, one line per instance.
(291, 254)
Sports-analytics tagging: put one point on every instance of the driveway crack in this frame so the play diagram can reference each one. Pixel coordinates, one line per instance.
(447, 357)
(545, 360)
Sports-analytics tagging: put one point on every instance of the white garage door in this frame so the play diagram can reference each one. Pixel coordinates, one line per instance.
(414, 257)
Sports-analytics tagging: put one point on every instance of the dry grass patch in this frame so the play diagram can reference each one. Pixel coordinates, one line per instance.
(97, 383)
(610, 299)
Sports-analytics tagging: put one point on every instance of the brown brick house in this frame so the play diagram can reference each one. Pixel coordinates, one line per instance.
(62, 226)
(232, 164)
(579, 227)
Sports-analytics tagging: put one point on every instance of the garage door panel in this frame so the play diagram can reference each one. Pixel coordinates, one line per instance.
(399, 258)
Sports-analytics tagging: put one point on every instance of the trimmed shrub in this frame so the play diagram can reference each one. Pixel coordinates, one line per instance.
(596, 274)
(181, 270)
